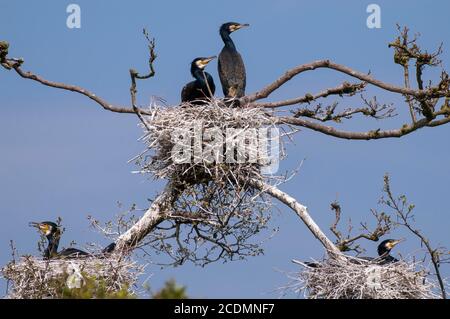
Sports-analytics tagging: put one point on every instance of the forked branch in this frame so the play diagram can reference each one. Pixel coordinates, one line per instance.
(348, 242)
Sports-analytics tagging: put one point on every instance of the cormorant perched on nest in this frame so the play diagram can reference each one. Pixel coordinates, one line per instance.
(383, 252)
(231, 67)
(384, 257)
(53, 234)
(203, 88)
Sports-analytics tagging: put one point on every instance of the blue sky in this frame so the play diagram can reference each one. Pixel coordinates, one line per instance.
(62, 155)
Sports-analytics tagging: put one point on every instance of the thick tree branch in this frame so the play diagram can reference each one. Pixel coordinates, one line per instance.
(151, 219)
(265, 92)
(106, 105)
(16, 65)
(369, 135)
(424, 97)
(301, 212)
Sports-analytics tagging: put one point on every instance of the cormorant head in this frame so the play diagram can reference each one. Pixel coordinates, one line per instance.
(386, 246)
(200, 63)
(48, 229)
(230, 27)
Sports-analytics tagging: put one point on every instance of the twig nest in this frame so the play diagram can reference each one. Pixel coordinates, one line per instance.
(209, 153)
(355, 278)
(195, 144)
(88, 277)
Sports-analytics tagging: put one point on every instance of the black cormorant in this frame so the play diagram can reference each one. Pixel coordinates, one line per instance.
(231, 67)
(384, 257)
(53, 234)
(199, 91)
(384, 250)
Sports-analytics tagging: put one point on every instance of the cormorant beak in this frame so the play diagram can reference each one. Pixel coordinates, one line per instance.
(398, 241)
(204, 61)
(236, 27)
(392, 244)
(34, 224)
(209, 59)
(43, 228)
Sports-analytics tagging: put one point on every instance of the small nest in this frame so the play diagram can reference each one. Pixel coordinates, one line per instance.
(355, 278)
(35, 278)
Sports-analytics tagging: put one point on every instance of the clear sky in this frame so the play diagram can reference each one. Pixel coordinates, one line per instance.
(62, 155)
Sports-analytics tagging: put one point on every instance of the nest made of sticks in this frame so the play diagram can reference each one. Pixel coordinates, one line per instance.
(207, 134)
(107, 277)
(210, 154)
(355, 278)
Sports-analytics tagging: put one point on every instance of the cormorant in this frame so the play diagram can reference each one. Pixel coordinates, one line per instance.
(384, 248)
(231, 67)
(199, 91)
(109, 249)
(53, 234)
(384, 258)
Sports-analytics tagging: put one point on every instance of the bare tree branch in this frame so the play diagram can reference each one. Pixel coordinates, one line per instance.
(403, 211)
(425, 97)
(152, 218)
(403, 59)
(370, 135)
(345, 88)
(301, 212)
(373, 109)
(406, 50)
(135, 75)
(219, 230)
(265, 92)
(16, 65)
(347, 243)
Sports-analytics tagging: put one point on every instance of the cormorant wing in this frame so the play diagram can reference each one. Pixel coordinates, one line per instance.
(109, 248)
(232, 73)
(187, 92)
(72, 253)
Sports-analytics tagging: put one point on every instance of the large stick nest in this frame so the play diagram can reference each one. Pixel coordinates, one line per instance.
(36, 278)
(209, 154)
(354, 278)
(207, 133)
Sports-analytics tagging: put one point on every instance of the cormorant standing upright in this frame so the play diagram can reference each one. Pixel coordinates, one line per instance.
(199, 91)
(231, 66)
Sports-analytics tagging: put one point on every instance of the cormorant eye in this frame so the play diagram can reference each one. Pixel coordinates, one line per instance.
(45, 229)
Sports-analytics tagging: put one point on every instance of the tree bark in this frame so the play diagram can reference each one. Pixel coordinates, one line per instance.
(152, 217)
